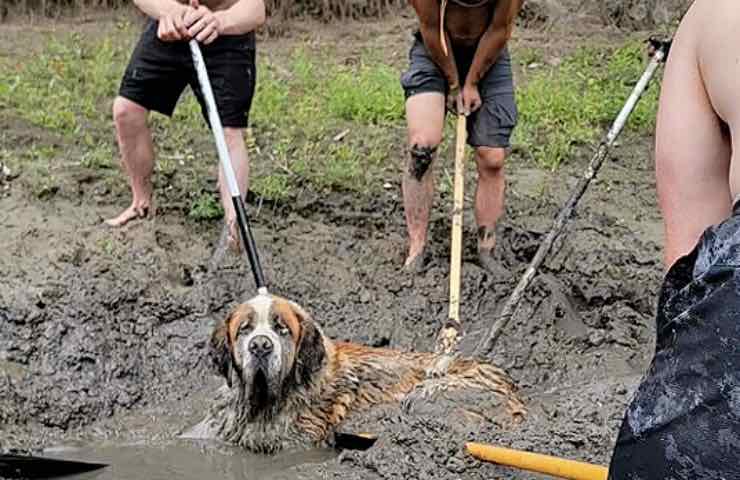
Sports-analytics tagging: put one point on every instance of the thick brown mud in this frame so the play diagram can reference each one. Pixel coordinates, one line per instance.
(103, 332)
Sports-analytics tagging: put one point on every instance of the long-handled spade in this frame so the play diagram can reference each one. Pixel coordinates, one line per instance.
(223, 154)
(660, 51)
(448, 337)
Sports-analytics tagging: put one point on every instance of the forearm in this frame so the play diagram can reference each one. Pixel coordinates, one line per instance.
(494, 39)
(446, 63)
(159, 8)
(242, 17)
(491, 45)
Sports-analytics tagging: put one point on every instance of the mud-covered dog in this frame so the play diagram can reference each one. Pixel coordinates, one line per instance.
(290, 386)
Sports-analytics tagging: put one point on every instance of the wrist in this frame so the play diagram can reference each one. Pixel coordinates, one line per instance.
(471, 83)
(224, 26)
(174, 9)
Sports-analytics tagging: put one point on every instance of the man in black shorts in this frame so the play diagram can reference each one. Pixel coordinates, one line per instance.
(459, 57)
(160, 69)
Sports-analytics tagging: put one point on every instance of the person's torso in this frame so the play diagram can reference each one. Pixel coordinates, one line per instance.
(467, 20)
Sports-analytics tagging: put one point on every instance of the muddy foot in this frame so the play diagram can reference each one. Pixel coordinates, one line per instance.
(415, 264)
(486, 249)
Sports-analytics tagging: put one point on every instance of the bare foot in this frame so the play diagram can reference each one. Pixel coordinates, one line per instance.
(486, 238)
(415, 261)
(133, 212)
(486, 246)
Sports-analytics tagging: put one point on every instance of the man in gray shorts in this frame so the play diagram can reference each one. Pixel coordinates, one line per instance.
(459, 59)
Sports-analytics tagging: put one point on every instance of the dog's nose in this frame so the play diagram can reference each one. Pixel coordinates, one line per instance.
(260, 346)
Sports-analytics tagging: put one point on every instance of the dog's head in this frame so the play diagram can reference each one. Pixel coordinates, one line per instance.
(268, 346)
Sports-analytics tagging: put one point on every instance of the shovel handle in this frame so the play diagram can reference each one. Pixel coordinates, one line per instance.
(223, 154)
(457, 222)
(535, 462)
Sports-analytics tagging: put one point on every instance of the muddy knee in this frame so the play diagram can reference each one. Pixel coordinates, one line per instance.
(420, 160)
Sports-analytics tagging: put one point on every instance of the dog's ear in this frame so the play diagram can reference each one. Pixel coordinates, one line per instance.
(310, 352)
(220, 353)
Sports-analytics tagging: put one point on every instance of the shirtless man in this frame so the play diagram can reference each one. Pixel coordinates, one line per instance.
(160, 69)
(465, 65)
(699, 117)
(684, 420)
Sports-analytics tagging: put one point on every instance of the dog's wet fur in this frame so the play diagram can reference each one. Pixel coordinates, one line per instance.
(288, 386)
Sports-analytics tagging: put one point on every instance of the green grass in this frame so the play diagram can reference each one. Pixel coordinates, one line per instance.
(572, 104)
(316, 123)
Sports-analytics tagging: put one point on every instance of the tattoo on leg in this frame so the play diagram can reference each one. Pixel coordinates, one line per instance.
(422, 158)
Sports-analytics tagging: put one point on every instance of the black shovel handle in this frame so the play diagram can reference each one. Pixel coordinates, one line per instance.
(223, 154)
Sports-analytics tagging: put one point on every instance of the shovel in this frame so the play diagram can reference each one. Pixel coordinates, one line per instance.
(223, 154)
(447, 339)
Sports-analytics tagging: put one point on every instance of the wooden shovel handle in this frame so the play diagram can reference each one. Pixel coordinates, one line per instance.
(457, 222)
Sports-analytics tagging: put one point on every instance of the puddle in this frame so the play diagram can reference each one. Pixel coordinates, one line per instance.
(185, 460)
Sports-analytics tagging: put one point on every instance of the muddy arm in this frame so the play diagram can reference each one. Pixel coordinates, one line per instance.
(429, 25)
(494, 39)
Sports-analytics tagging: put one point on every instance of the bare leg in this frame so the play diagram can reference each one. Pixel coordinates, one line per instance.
(692, 154)
(425, 119)
(240, 162)
(489, 197)
(137, 157)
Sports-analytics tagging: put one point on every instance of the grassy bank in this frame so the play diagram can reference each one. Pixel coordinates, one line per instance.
(316, 122)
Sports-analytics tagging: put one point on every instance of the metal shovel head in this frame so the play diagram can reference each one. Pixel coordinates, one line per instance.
(354, 441)
(29, 466)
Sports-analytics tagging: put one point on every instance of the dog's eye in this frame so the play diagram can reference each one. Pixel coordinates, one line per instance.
(283, 331)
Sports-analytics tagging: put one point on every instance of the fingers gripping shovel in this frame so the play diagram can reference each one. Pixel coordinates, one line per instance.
(223, 154)
(447, 339)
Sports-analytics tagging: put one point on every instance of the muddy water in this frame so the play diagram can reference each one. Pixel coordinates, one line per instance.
(184, 460)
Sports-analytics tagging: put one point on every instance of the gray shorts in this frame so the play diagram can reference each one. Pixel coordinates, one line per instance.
(493, 123)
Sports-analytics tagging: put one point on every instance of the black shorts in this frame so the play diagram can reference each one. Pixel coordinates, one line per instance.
(159, 71)
(492, 124)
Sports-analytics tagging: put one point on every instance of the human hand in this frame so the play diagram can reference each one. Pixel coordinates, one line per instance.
(471, 100)
(172, 25)
(202, 24)
(454, 100)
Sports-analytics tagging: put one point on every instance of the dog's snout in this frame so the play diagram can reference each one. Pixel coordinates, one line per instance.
(260, 346)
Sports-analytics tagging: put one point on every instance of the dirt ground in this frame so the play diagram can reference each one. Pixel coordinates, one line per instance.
(103, 332)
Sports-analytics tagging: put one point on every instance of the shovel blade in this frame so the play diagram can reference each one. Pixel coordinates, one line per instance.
(29, 466)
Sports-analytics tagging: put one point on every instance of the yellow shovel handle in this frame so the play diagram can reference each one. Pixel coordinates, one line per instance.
(535, 462)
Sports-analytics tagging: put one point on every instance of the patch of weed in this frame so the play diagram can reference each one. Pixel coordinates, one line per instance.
(206, 207)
